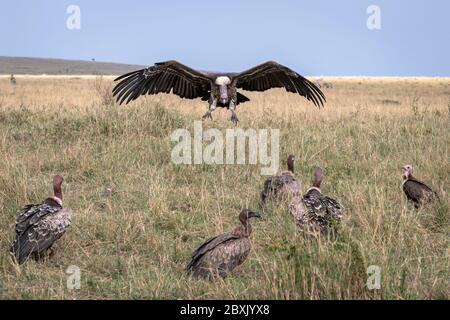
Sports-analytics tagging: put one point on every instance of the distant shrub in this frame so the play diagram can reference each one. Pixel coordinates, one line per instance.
(390, 102)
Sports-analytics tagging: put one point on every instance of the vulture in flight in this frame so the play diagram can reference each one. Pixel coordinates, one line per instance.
(220, 255)
(416, 191)
(316, 213)
(281, 186)
(219, 89)
(39, 226)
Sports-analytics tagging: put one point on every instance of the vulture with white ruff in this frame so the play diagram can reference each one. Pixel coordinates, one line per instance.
(220, 89)
(316, 213)
(39, 226)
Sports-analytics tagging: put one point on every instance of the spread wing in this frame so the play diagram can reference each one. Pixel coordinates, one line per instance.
(273, 75)
(208, 245)
(162, 77)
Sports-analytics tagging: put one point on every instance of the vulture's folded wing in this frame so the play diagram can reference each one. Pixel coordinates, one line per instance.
(31, 214)
(417, 190)
(334, 208)
(40, 236)
(208, 245)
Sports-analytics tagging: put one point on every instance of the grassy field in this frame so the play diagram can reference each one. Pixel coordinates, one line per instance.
(137, 216)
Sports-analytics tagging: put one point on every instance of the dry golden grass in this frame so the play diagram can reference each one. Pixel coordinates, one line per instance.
(135, 241)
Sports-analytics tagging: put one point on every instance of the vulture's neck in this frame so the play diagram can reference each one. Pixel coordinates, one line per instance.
(290, 166)
(245, 230)
(317, 183)
(313, 188)
(53, 201)
(57, 192)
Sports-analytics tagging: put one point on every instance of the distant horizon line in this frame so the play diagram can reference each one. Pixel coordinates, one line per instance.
(315, 77)
(141, 65)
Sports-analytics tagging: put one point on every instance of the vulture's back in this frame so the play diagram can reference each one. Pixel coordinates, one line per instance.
(418, 192)
(38, 227)
(316, 213)
(219, 255)
(281, 187)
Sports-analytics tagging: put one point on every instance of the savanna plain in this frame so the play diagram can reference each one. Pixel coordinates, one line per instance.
(138, 216)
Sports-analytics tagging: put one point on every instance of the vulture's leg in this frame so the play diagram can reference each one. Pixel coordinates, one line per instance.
(234, 118)
(212, 107)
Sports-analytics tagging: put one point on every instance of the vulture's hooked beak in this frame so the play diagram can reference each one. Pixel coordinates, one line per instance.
(254, 214)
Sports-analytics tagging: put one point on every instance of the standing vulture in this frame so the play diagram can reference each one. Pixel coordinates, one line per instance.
(220, 89)
(39, 226)
(416, 191)
(281, 186)
(316, 213)
(221, 254)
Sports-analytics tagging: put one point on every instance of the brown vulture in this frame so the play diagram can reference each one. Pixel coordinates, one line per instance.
(219, 255)
(220, 89)
(316, 213)
(416, 191)
(39, 226)
(281, 186)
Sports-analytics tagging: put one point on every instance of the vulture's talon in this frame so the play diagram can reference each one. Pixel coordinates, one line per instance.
(207, 116)
(234, 119)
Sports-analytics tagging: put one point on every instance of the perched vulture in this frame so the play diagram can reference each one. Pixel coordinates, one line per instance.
(219, 255)
(282, 186)
(416, 191)
(220, 89)
(316, 213)
(38, 226)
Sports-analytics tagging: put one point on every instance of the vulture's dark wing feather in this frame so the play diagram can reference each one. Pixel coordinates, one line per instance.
(41, 235)
(273, 185)
(321, 206)
(334, 208)
(32, 213)
(208, 245)
(36, 230)
(240, 98)
(273, 75)
(417, 191)
(162, 77)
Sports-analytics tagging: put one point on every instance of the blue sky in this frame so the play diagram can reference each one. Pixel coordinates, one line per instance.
(321, 37)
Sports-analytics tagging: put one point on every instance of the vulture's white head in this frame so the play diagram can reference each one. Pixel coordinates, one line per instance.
(223, 82)
(407, 171)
